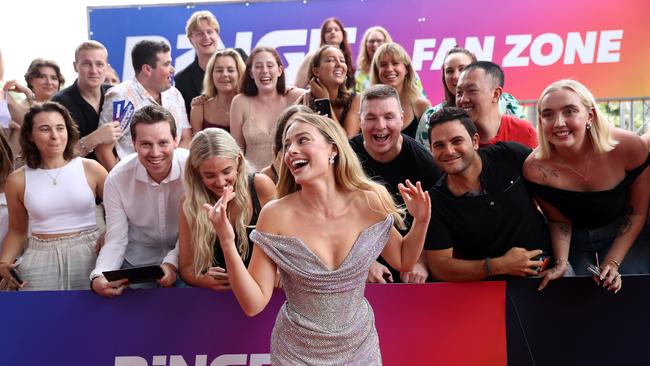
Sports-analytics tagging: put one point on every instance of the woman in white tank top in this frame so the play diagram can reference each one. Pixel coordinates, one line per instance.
(54, 196)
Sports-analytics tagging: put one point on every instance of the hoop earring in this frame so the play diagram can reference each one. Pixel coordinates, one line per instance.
(588, 126)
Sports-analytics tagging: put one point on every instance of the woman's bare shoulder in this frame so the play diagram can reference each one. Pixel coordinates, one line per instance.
(275, 214)
(538, 170)
(370, 204)
(631, 149)
(15, 181)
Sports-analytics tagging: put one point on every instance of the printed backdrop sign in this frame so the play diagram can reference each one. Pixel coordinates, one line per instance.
(417, 325)
(604, 43)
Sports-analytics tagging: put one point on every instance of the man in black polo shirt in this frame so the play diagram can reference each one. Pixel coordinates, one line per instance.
(484, 222)
(390, 157)
(84, 98)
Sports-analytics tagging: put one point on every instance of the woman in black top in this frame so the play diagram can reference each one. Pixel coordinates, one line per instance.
(591, 182)
(216, 167)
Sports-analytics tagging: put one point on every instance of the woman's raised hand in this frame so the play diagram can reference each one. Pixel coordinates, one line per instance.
(417, 201)
(218, 215)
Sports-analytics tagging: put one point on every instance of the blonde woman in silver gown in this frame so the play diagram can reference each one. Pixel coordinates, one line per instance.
(328, 225)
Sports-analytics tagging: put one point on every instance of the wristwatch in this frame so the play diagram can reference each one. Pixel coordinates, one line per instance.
(91, 283)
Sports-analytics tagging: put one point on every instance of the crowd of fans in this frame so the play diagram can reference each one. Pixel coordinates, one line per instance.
(105, 175)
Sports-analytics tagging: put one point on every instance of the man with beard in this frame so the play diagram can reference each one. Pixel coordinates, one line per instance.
(484, 222)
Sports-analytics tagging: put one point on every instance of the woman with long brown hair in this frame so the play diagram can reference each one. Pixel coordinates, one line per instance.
(332, 33)
(254, 112)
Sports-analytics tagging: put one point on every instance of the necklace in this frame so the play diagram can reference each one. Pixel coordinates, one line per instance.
(54, 182)
(583, 174)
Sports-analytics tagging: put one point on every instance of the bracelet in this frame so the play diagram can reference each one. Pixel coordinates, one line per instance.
(561, 260)
(487, 267)
(82, 145)
(91, 284)
(615, 262)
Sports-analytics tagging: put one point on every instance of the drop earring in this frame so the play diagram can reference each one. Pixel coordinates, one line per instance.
(331, 160)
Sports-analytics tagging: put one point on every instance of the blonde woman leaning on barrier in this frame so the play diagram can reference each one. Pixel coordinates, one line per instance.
(591, 181)
(216, 164)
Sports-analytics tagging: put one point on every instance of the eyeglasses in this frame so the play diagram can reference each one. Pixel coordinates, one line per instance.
(375, 41)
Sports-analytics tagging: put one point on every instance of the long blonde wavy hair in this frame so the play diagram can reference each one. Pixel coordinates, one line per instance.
(348, 172)
(206, 144)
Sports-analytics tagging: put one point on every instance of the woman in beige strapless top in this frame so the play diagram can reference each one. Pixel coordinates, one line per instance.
(254, 112)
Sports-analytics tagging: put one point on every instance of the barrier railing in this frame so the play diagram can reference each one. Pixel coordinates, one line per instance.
(571, 322)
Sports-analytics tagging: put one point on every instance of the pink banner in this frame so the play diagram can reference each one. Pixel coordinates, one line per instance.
(433, 324)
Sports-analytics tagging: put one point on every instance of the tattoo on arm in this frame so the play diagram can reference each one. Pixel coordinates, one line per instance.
(544, 172)
(565, 230)
(626, 223)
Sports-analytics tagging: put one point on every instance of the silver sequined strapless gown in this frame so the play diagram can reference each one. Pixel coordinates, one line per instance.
(326, 320)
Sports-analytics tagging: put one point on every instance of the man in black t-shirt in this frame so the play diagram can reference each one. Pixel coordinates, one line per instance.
(202, 30)
(390, 158)
(484, 222)
(84, 98)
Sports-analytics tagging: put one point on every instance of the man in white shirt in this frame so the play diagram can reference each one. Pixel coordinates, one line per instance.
(142, 197)
(151, 86)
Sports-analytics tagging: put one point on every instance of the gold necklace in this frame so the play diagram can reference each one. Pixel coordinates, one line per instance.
(584, 174)
(54, 182)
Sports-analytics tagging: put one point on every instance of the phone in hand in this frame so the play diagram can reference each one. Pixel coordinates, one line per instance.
(322, 107)
(15, 275)
(593, 269)
(545, 261)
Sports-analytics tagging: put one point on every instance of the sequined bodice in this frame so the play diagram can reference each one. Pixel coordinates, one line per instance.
(259, 144)
(326, 319)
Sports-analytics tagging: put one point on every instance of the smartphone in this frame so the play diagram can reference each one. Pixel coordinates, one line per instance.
(15, 275)
(545, 261)
(322, 107)
(136, 274)
(593, 269)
